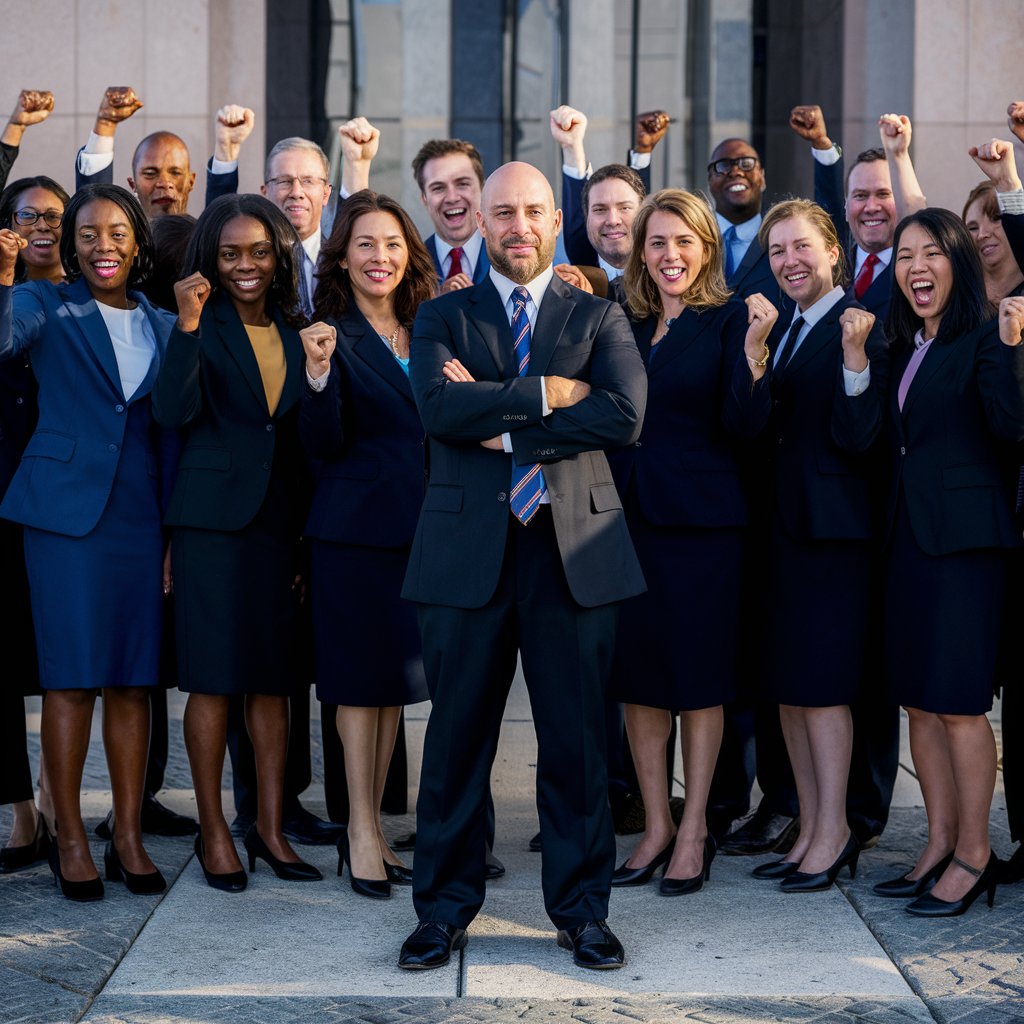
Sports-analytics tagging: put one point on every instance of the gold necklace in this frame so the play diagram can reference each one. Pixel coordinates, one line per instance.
(393, 341)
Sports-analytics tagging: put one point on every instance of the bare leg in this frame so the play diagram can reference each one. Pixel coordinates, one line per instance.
(358, 729)
(929, 749)
(972, 751)
(45, 799)
(67, 722)
(798, 746)
(206, 732)
(648, 730)
(126, 742)
(266, 718)
(700, 735)
(830, 741)
(387, 732)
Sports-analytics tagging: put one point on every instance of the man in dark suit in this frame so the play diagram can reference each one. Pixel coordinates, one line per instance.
(521, 546)
(450, 175)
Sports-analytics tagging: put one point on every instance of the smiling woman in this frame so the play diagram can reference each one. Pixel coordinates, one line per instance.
(34, 209)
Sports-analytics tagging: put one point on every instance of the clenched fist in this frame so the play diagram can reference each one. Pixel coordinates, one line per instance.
(10, 245)
(118, 104)
(191, 295)
(33, 106)
(1011, 320)
(232, 126)
(895, 131)
(318, 341)
(650, 130)
(568, 128)
(809, 123)
(856, 325)
(996, 159)
(1015, 118)
(761, 317)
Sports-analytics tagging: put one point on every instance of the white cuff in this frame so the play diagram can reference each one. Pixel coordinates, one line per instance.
(319, 383)
(639, 161)
(545, 408)
(97, 155)
(223, 166)
(1011, 202)
(856, 383)
(506, 442)
(573, 171)
(827, 157)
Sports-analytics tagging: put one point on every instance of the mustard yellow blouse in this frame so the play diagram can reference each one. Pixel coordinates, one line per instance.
(269, 351)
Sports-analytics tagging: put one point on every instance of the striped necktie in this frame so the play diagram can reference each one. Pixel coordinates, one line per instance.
(527, 481)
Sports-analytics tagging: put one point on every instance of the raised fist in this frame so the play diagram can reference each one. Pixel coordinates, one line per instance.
(10, 245)
(33, 106)
(118, 104)
(191, 295)
(1015, 118)
(856, 325)
(809, 123)
(1011, 320)
(234, 124)
(650, 130)
(895, 131)
(996, 159)
(318, 341)
(359, 140)
(568, 126)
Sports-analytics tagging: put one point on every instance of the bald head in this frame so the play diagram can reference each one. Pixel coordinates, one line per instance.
(161, 176)
(518, 221)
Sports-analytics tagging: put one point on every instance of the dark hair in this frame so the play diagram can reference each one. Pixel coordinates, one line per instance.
(445, 147)
(201, 256)
(171, 235)
(986, 192)
(9, 203)
(620, 171)
(334, 291)
(142, 268)
(868, 156)
(968, 306)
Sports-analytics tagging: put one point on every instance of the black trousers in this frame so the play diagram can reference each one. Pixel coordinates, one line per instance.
(15, 770)
(470, 660)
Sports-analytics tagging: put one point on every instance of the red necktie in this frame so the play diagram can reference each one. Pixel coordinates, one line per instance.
(456, 264)
(866, 276)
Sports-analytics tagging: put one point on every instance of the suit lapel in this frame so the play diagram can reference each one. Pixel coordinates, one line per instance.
(491, 323)
(749, 261)
(934, 359)
(87, 318)
(555, 310)
(483, 264)
(678, 340)
(366, 344)
(818, 338)
(431, 244)
(236, 341)
(160, 324)
(294, 358)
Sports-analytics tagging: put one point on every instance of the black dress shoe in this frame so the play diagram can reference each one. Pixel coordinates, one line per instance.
(776, 869)
(302, 826)
(431, 945)
(902, 888)
(406, 842)
(1012, 870)
(16, 858)
(81, 892)
(929, 905)
(398, 874)
(158, 820)
(493, 868)
(290, 871)
(534, 843)
(372, 888)
(684, 886)
(103, 829)
(816, 881)
(225, 881)
(625, 875)
(593, 945)
(764, 832)
(139, 885)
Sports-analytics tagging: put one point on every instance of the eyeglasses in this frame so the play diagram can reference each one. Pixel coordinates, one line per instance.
(722, 167)
(28, 216)
(284, 183)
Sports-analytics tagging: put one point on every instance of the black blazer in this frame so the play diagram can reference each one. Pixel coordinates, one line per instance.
(816, 466)
(365, 437)
(951, 459)
(684, 467)
(459, 546)
(754, 274)
(210, 386)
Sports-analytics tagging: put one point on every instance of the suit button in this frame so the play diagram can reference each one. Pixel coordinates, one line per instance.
(780, 440)
(111, 447)
(502, 495)
(266, 465)
(903, 451)
(270, 427)
(639, 444)
(118, 408)
(19, 400)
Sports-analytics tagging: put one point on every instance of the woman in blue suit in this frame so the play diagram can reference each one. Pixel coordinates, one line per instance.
(359, 422)
(682, 490)
(88, 493)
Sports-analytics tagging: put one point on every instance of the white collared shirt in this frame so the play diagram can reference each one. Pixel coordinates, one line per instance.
(745, 234)
(860, 255)
(470, 254)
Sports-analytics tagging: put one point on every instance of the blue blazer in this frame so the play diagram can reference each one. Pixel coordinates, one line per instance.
(64, 479)
(365, 437)
(483, 264)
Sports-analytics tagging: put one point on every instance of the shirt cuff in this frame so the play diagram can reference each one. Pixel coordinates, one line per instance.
(639, 161)
(319, 383)
(856, 383)
(572, 171)
(506, 442)
(545, 408)
(1011, 202)
(827, 157)
(97, 155)
(223, 166)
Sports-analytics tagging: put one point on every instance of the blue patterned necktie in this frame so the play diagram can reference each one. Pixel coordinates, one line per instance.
(728, 238)
(527, 481)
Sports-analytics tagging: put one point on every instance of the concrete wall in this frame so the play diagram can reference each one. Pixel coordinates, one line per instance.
(184, 61)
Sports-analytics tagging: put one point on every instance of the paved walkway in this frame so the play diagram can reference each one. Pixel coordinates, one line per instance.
(738, 951)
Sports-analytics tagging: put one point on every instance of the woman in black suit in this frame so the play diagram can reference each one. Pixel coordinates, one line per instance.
(359, 423)
(231, 383)
(681, 486)
(958, 405)
(822, 401)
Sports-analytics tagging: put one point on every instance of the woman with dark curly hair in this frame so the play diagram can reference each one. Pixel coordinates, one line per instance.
(360, 423)
(231, 383)
(34, 209)
(87, 491)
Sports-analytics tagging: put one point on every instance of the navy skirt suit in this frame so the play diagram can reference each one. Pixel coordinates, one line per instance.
(88, 491)
(684, 500)
(363, 433)
(950, 520)
(236, 508)
(816, 496)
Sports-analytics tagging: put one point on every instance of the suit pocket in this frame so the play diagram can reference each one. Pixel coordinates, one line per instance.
(47, 445)
(205, 458)
(443, 498)
(954, 477)
(353, 469)
(604, 498)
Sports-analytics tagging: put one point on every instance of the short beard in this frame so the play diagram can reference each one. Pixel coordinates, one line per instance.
(522, 272)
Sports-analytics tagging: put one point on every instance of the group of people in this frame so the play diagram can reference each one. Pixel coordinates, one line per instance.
(694, 478)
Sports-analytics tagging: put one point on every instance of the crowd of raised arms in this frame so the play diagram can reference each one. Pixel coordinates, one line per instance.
(749, 476)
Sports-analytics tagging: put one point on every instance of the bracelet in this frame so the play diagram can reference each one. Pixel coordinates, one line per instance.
(760, 362)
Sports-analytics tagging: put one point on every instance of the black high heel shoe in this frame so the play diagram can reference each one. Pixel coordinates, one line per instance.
(804, 881)
(929, 905)
(398, 874)
(138, 885)
(290, 871)
(16, 858)
(375, 889)
(684, 886)
(226, 881)
(776, 869)
(908, 888)
(81, 892)
(624, 875)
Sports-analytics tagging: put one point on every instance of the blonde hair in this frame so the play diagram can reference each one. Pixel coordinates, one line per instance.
(788, 209)
(709, 288)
